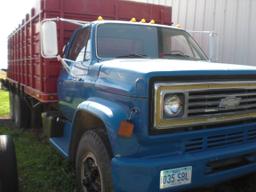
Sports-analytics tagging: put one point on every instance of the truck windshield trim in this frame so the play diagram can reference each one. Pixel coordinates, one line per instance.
(129, 40)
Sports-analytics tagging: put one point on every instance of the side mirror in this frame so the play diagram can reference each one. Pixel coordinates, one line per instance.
(49, 39)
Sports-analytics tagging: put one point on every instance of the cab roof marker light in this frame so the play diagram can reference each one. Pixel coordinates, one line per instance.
(133, 19)
(152, 21)
(100, 18)
(143, 20)
(178, 26)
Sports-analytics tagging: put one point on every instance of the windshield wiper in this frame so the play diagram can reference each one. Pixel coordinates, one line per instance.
(178, 55)
(134, 55)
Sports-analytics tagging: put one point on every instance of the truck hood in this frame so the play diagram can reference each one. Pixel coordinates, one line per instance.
(131, 76)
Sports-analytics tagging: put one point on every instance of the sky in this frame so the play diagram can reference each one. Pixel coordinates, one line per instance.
(11, 14)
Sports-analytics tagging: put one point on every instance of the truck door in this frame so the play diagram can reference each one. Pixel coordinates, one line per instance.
(74, 86)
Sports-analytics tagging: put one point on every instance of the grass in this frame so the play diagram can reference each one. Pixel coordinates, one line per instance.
(40, 167)
(4, 103)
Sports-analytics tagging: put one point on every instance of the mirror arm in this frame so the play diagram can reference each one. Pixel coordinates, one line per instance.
(72, 21)
(65, 65)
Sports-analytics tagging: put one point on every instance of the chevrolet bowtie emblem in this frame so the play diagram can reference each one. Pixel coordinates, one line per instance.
(230, 102)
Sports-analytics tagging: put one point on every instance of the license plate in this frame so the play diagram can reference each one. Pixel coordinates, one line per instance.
(175, 177)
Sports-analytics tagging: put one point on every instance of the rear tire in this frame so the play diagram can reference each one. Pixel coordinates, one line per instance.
(8, 165)
(17, 111)
(93, 163)
(21, 112)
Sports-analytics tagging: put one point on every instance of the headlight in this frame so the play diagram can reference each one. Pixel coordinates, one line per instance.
(173, 105)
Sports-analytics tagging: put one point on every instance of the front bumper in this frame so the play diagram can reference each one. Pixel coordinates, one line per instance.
(143, 174)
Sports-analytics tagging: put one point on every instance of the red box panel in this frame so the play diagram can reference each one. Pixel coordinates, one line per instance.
(38, 75)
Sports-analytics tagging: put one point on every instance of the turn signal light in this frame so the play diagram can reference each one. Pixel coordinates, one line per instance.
(125, 129)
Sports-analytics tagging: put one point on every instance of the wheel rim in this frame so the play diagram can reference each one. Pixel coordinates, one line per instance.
(91, 177)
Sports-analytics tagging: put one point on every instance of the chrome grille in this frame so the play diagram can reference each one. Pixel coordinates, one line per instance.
(207, 102)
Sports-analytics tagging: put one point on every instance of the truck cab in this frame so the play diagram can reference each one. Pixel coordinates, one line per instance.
(142, 109)
(102, 46)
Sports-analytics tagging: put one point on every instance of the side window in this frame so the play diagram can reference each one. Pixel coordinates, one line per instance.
(80, 46)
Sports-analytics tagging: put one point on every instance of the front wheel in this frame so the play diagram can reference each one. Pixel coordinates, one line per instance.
(93, 163)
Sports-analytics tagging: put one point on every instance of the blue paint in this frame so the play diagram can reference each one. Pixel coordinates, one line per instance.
(146, 170)
(62, 143)
(113, 87)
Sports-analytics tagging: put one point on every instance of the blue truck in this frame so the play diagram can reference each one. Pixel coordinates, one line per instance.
(140, 108)
(143, 104)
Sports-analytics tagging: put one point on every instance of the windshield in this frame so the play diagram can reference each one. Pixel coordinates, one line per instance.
(116, 40)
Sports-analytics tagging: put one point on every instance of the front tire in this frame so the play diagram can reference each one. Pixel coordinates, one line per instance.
(93, 163)
(8, 165)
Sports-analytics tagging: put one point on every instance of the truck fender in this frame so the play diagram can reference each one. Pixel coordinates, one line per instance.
(97, 113)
